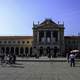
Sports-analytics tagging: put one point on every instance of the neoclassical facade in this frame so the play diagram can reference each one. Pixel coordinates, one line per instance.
(48, 38)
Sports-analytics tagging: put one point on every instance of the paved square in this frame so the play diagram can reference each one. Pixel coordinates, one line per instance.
(40, 71)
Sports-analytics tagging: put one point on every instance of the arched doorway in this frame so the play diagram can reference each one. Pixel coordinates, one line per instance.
(7, 50)
(2, 49)
(17, 51)
(55, 51)
(48, 52)
(26, 51)
(31, 51)
(41, 51)
(12, 50)
(21, 51)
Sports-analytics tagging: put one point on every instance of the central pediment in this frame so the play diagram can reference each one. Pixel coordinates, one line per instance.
(47, 23)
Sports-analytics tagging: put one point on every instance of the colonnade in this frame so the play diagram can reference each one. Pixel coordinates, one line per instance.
(19, 51)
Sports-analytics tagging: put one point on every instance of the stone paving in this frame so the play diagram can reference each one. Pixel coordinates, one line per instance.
(40, 71)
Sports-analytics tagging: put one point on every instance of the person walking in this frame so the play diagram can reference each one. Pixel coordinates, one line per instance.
(72, 60)
(10, 58)
(2, 58)
(14, 58)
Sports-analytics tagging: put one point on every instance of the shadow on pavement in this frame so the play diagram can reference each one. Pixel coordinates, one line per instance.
(17, 66)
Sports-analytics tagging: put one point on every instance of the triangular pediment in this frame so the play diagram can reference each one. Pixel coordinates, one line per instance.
(48, 23)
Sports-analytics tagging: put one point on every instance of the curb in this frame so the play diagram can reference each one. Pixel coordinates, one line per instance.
(78, 60)
(42, 60)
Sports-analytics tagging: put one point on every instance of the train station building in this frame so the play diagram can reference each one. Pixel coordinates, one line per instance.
(48, 40)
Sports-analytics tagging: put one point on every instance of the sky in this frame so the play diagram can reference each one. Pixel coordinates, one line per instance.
(17, 16)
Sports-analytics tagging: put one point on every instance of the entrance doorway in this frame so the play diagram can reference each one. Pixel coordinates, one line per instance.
(17, 51)
(41, 51)
(12, 50)
(55, 51)
(48, 52)
(26, 51)
(7, 50)
(22, 51)
(2, 49)
(31, 52)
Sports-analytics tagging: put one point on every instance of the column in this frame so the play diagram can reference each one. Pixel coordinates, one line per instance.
(9, 49)
(58, 35)
(44, 37)
(0, 49)
(24, 51)
(14, 50)
(4, 50)
(51, 36)
(28, 51)
(37, 36)
(19, 51)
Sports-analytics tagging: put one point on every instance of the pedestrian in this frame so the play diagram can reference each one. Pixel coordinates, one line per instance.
(10, 58)
(6, 58)
(2, 57)
(72, 60)
(14, 59)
